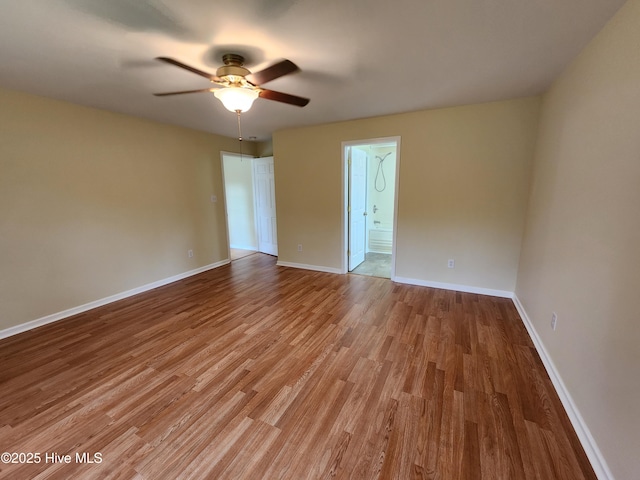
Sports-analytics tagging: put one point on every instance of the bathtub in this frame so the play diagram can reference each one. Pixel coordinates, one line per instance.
(380, 240)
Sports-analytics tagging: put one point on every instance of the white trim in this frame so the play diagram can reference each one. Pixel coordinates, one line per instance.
(598, 463)
(345, 201)
(8, 332)
(316, 268)
(453, 286)
(237, 156)
(244, 247)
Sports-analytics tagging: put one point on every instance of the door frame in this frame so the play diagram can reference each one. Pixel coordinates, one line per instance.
(224, 195)
(345, 197)
(254, 189)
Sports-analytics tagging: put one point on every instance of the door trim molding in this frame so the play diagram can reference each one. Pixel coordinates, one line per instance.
(345, 189)
(223, 154)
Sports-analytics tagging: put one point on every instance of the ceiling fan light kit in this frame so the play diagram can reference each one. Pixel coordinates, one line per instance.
(236, 99)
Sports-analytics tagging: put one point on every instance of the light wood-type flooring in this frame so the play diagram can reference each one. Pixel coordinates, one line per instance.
(253, 371)
(238, 253)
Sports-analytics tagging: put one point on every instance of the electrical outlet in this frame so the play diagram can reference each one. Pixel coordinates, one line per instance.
(190, 253)
(299, 247)
(554, 320)
(451, 263)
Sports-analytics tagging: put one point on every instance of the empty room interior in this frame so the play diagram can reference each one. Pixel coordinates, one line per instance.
(300, 240)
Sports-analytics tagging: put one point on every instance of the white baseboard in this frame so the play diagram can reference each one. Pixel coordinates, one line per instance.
(453, 286)
(244, 247)
(316, 268)
(8, 332)
(594, 454)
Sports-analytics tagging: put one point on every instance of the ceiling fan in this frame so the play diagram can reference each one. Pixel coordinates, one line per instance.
(240, 87)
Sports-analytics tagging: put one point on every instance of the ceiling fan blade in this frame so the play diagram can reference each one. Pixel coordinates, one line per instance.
(277, 70)
(185, 91)
(284, 97)
(206, 75)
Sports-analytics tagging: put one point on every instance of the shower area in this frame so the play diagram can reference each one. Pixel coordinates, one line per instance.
(371, 172)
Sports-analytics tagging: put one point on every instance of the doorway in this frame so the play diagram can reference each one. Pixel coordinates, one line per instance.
(249, 192)
(370, 192)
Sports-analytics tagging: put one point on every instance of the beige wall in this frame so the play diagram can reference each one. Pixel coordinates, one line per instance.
(463, 186)
(581, 252)
(264, 149)
(94, 203)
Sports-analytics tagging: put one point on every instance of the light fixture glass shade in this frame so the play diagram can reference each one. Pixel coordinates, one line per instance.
(236, 98)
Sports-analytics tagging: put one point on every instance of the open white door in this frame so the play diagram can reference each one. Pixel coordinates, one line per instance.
(357, 207)
(265, 194)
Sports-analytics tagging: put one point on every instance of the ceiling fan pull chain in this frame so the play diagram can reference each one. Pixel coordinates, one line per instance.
(239, 133)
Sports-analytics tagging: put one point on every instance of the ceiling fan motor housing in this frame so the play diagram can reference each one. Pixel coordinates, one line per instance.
(232, 70)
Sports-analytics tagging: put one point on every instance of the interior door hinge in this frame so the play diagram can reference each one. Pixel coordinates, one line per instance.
(349, 209)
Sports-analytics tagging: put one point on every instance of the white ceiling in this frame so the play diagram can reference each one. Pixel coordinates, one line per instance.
(359, 58)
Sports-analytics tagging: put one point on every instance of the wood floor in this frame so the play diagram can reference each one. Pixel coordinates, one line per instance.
(254, 371)
(237, 253)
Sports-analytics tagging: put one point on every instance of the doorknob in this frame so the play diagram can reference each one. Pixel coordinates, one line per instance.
(365, 214)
